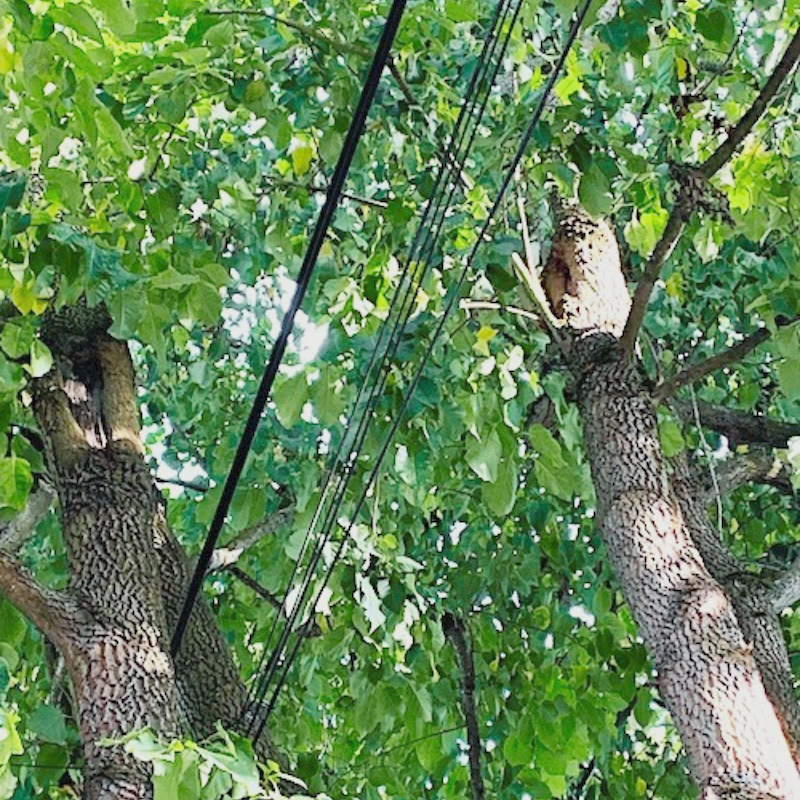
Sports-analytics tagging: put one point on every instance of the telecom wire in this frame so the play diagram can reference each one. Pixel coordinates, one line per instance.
(304, 278)
(422, 246)
(453, 299)
(274, 663)
(428, 235)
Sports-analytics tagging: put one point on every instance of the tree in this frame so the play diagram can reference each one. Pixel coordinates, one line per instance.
(164, 162)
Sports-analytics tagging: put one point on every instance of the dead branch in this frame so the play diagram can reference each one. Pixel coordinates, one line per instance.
(488, 305)
(455, 629)
(681, 210)
(740, 427)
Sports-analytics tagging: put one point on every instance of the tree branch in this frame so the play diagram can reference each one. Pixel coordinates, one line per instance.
(52, 612)
(226, 556)
(679, 216)
(696, 372)
(758, 465)
(786, 589)
(740, 427)
(455, 630)
(737, 134)
(488, 305)
(14, 533)
(733, 355)
(365, 201)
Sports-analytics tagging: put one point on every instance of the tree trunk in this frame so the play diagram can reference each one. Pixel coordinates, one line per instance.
(707, 672)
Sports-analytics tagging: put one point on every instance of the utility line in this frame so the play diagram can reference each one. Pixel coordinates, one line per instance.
(452, 302)
(419, 255)
(303, 280)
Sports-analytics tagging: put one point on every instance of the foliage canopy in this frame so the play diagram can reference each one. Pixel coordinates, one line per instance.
(169, 159)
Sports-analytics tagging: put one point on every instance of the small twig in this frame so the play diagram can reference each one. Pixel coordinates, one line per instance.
(488, 305)
(695, 372)
(253, 584)
(679, 215)
(161, 152)
(366, 201)
(455, 629)
(195, 486)
(710, 458)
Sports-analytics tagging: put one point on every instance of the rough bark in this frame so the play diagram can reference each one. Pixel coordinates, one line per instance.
(707, 672)
(116, 651)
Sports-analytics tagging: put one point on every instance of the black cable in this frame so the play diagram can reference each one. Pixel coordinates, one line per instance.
(275, 662)
(454, 296)
(424, 240)
(303, 280)
(419, 252)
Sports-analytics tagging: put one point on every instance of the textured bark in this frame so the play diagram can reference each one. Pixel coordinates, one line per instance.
(128, 574)
(752, 601)
(116, 652)
(707, 672)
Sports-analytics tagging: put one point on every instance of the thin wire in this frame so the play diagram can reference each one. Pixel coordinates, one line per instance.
(303, 280)
(423, 243)
(453, 299)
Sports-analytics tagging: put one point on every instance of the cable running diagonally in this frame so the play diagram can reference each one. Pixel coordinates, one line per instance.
(417, 263)
(303, 280)
(453, 300)
(428, 236)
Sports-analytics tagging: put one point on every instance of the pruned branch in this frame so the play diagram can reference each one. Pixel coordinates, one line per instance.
(14, 533)
(740, 427)
(786, 589)
(226, 556)
(455, 629)
(489, 305)
(682, 208)
(758, 465)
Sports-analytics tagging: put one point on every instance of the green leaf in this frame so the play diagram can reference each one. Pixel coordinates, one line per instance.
(15, 482)
(484, 456)
(117, 15)
(290, 395)
(501, 494)
(78, 18)
(47, 722)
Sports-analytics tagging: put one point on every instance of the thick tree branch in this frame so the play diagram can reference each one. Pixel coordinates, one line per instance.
(740, 427)
(53, 613)
(14, 533)
(682, 208)
(455, 630)
(733, 355)
(737, 134)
